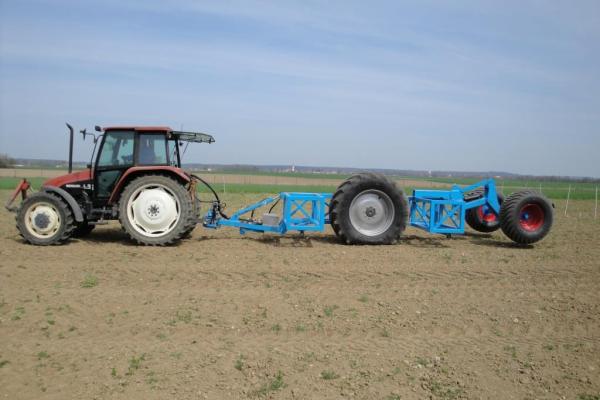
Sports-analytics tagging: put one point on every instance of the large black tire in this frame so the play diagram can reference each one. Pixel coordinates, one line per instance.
(526, 217)
(368, 208)
(187, 233)
(161, 200)
(482, 221)
(45, 219)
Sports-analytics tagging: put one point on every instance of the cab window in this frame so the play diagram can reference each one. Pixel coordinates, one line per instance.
(152, 149)
(117, 150)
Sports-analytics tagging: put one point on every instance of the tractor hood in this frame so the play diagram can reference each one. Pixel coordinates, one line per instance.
(75, 177)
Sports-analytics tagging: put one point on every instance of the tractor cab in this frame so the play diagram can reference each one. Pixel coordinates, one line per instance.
(127, 149)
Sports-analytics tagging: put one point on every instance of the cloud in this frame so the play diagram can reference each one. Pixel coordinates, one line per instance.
(407, 76)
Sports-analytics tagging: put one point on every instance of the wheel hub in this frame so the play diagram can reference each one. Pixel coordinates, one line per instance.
(372, 212)
(42, 220)
(531, 217)
(153, 210)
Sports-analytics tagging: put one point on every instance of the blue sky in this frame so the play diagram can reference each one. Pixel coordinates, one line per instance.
(464, 85)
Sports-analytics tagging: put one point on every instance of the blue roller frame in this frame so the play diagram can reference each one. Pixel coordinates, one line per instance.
(301, 212)
(443, 211)
(436, 211)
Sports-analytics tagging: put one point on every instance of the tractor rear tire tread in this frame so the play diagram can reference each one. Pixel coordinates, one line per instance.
(66, 229)
(186, 221)
(187, 233)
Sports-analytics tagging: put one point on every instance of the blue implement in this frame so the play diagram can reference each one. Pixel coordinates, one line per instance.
(435, 211)
(300, 212)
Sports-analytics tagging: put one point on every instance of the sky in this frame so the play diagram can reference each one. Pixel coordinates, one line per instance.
(427, 85)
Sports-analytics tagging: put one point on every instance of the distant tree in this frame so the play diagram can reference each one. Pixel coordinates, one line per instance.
(6, 161)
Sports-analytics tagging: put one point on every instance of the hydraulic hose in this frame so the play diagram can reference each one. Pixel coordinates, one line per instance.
(221, 213)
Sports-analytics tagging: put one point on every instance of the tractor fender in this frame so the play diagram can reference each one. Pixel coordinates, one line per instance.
(134, 172)
(68, 198)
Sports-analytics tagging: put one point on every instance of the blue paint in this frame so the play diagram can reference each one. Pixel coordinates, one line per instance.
(435, 211)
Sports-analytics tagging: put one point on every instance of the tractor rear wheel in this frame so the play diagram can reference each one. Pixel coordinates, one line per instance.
(155, 210)
(483, 218)
(526, 217)
(368, 208)
(45, 219)
(187, 233)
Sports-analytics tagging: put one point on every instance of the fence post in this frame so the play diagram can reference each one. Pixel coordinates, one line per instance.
(596, 207)
(568, 197)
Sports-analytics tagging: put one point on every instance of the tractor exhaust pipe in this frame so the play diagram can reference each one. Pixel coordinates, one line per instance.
(70, 147)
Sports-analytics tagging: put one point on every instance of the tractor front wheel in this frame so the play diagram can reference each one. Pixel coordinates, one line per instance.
(526, 217)
(45, 219)
(156, 210)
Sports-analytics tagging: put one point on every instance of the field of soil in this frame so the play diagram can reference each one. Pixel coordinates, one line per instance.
(224, 316)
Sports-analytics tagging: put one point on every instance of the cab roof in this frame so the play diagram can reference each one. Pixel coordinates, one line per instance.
(138, 128)
(197, 137)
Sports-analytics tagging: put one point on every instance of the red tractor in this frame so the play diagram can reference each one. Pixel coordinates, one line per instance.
(136, 178)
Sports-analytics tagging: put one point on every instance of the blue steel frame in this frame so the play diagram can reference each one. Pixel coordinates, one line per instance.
(436, 211)
(301, 212)
(443, 211)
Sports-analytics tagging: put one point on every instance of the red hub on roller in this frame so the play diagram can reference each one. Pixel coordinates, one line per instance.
(486, 214)
(531, 217)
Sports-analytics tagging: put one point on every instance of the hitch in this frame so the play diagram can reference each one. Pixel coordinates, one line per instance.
(22, 188)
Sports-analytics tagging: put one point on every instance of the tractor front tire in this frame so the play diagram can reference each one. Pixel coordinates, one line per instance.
(45, 219)
(368, 208)
(156, 210)
(482, 218)
(526, 217)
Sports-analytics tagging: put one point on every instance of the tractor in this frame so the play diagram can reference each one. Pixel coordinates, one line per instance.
(137, 178)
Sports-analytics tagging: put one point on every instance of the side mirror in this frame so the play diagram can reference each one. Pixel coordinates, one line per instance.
(98, 128)
(88, 166)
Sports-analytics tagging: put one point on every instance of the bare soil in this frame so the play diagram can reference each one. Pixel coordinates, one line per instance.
(229, 316)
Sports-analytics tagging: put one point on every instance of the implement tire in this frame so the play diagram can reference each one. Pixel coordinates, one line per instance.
(368, 208)
(526, 217)
(482, 218)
